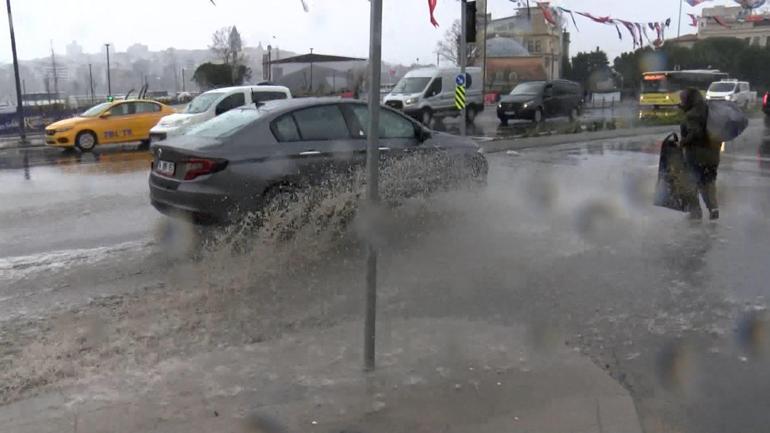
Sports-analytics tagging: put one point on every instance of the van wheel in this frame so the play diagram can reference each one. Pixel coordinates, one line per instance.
(470, 114)
(426, 117)
(85, 141)
(538, 116)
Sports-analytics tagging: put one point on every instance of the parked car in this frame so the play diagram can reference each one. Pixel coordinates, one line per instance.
(241, 160)
(731, 90)
(765, 107)
(429, 93)
(213, 103)
(538, 100)
(108, 122)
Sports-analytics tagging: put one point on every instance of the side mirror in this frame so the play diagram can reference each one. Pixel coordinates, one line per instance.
(105, 115)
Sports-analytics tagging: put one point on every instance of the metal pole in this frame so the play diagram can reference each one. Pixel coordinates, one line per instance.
(311, 70)
(372, 177)
(91, 82)
(19, 101)
(679, 28)
(109, 83)
(463, 60)
(484, 60)
(183, 81)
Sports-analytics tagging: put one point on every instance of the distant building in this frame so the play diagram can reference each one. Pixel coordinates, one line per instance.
(684, 41)
(530, 29)
(138, 51)
(755, 30)
(74, 50)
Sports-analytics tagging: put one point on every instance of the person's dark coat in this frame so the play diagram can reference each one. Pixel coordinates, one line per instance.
(700, 149)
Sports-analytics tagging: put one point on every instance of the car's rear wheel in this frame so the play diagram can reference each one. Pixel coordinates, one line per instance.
(85, 141)
(144, 144)
(574, 114)
(426, 117)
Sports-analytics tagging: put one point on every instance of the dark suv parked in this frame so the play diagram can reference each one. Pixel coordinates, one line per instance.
(242, 159)
(538, 100)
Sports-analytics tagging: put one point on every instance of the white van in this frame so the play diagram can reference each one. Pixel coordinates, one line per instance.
(429, 93)
(731, 90)
(213, 103)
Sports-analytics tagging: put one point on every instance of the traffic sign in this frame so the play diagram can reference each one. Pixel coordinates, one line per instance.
(460, 97)
(460, 80)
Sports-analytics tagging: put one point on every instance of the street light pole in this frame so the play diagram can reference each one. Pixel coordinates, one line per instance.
(311, 70)
(19, 101)
(91, 82)
(463, 59)
(679, 27)
(183, 81)
(109, 83)
(372, 178)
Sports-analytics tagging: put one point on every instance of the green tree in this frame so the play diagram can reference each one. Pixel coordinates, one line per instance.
(584, 65)
(213, 75)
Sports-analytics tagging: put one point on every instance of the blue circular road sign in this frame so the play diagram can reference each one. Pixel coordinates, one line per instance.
(460, 79)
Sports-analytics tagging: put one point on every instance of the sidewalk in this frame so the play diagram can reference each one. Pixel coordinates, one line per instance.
(12, 142)
(433, 375)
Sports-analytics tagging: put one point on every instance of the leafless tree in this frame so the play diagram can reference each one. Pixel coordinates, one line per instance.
(449, 47)
(227, 44)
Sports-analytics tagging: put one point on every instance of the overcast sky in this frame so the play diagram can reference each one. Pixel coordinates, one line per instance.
(331, 27)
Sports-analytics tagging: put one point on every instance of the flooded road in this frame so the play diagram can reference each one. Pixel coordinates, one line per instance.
(563, 241)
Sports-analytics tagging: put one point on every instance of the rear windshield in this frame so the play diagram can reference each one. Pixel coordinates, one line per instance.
(226, 124)
(722, 87)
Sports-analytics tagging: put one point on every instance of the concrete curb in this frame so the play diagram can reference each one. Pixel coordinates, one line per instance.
(447, 375)
(554, 140)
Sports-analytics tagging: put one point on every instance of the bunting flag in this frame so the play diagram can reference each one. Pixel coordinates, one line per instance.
(721, 22)
(431, 9)
(631, 29)
(600, 20)
(696, 2)
(694, 22)
(751, 4)
(620, 35)
(304, 6)
(571, 15)
(547, 13)
(639, 29)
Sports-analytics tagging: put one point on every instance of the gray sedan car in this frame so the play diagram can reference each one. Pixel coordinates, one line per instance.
(240, 160)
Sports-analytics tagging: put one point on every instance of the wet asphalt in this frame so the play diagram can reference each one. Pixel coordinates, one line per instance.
(563, 239)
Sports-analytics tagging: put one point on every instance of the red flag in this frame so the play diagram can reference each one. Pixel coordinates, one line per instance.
(547, 14)
(601, 20)
(631, 29)
(432, 8)
(694, 19)
(721, 22)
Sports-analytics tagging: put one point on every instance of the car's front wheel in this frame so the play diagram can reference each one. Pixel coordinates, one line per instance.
(470, 114)
(503, 120)
(538, 117)
(426, 117)
(85, 141)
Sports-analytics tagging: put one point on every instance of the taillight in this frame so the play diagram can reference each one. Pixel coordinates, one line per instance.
(764, 100)
(196, 167)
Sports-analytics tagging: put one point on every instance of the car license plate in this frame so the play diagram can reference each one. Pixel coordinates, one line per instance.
(165, 168)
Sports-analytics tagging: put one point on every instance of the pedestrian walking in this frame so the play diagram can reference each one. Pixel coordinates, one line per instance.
(701, 153)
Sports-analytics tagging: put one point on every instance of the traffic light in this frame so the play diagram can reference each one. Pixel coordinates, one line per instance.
(470, 22)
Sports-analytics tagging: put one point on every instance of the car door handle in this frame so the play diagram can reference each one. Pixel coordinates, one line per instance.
(309, 153)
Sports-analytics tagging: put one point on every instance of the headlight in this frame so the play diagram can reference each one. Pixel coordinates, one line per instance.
(410, 101)
(500, 105)
(59, 130)
(528, 104)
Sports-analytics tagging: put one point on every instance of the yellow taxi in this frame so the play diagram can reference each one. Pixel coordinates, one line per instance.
(108, 122)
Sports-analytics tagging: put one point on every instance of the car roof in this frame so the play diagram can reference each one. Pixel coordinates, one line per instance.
(251, 87)
(280, 106)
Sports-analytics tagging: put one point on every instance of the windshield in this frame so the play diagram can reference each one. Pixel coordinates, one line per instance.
(225, 124)
(202, 102)
(722, 87)
(409, 85)
(532, 88)
(96, 110)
